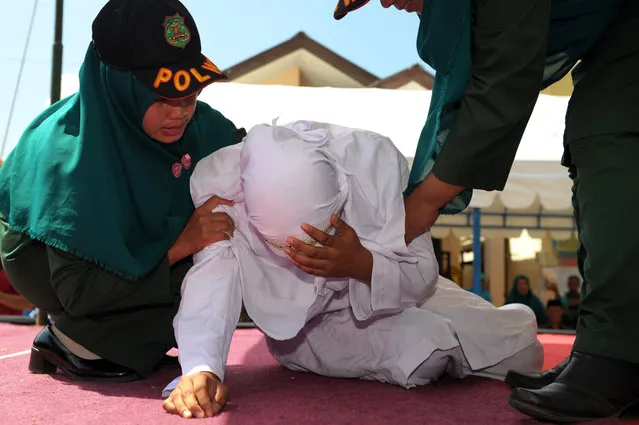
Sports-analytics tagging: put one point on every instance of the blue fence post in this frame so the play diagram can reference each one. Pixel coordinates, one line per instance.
(477, 250)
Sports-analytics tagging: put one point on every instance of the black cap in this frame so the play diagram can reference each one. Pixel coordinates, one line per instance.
(158, 42)
(345, 6)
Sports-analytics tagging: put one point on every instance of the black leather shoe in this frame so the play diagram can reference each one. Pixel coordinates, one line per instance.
(589, 388)
(535, 381)
(168, 362)
(49, 354)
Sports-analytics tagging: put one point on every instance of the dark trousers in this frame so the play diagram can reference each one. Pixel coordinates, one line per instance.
(135, 336)
(602, 154)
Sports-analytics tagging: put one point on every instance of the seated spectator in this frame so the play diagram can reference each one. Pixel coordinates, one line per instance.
(555, 313)
(574, 286)
(573, 300)
(521, 294)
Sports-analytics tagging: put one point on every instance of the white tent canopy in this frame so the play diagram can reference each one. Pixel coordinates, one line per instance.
(538, 184)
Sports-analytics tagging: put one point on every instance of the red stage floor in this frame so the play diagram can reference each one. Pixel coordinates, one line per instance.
(262, 393)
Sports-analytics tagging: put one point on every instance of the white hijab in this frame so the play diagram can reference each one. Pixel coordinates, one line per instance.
(283, 176)
(290, 178)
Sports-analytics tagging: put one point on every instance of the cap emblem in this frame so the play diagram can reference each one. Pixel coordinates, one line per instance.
(175, 31)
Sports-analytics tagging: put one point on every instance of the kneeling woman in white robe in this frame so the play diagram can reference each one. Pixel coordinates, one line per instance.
(385, 314)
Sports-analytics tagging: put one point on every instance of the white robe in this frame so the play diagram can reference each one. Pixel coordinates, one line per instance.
(408, 327)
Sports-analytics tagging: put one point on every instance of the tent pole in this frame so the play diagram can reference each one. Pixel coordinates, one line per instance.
(56, 69)
(477, 250)
(56, 84)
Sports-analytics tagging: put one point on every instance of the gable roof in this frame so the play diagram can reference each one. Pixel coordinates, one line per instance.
(297, 42)
(415, 73)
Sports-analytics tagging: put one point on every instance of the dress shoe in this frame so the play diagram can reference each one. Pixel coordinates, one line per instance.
(168, 362)
(49, 354)
(535, 381)
(589, 388)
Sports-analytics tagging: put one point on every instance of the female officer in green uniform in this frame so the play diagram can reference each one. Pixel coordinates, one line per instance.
(491, 59)
(97, 220)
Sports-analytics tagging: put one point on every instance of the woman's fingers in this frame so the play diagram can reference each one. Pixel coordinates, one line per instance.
(221, 395)
(223, 217)
(308, 250)
(213, 203)
(180, 406)
(216, 223)
(169, 406)
(303, 260)
(193, 404)
(203, 392)
(323, 238)
(310, 270)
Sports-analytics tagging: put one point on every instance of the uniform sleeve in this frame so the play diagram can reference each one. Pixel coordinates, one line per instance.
(396, 285)
(84, 288)
(209, 311)
(508, 58)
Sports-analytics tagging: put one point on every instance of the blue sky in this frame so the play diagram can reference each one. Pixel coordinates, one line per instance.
(381, 41)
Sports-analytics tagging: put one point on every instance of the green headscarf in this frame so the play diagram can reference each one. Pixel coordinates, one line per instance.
(85, 178)
(529, 299)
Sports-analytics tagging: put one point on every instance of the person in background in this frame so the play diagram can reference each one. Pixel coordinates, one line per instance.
(11, 302)
(574, 287)
(555, 313)
(520, 293)
(97, 223)
(573, 301)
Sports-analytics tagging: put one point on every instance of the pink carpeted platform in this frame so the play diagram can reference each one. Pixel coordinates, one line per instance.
(263, 393)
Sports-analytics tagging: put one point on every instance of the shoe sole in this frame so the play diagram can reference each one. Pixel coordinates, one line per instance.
(168, 362)
(53, 358)
(542, 414)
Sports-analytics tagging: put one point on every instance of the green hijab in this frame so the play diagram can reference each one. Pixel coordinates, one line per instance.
(529, 299)
(85, 178)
